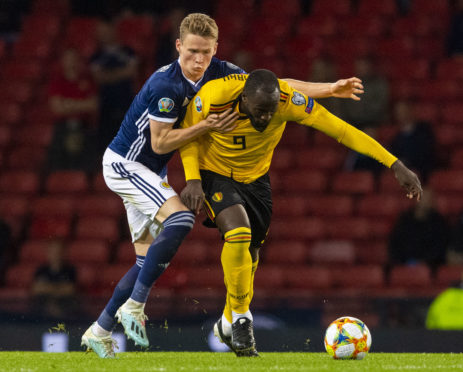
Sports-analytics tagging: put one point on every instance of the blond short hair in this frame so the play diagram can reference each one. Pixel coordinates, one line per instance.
(199, 24)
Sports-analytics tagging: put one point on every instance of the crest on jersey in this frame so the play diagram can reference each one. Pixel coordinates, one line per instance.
(163, 68)
(165, 185)
(165, 104)
(217, 197)
(298, 99)
(309, 107)
(198, 104)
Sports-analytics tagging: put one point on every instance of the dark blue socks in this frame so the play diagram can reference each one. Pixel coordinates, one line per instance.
(160, 253)
(120, 295)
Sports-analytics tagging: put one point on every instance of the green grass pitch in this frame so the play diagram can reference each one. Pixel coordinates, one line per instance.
(205, 361)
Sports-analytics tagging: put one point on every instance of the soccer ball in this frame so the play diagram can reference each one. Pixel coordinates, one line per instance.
(347, 338)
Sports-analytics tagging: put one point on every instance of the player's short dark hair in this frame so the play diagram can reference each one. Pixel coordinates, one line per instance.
(261, 80)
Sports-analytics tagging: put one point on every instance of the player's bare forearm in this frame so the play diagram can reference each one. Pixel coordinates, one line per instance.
(343, 88)
(193, 196)
(408, 180)
(165, 139)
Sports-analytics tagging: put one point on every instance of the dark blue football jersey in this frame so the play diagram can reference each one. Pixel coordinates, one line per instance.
(164, 97)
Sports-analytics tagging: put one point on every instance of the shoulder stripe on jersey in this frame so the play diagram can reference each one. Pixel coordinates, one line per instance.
(222, 104)
(283, 96)
(137, 145)
(221, 108)
(140, 184)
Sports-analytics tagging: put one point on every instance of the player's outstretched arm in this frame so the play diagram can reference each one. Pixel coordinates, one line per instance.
(193, 196)
(343, 88)
(408, 180)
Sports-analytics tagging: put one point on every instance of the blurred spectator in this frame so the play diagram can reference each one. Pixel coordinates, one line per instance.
(72, 148)
(323, 70)
(74, 103)
(420, 235)
(372, 109)
(114, 68)
(11, 12)
(5, 241)
(414, 144)
(455, 250)
(54, 285)
(359, 162)
(446, 309)
(455, 36)
(166, 52)
(244, 59)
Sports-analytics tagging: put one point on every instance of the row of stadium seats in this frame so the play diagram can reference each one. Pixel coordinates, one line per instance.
(370, 280)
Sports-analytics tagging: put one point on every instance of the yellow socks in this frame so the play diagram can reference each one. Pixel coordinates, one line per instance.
(237, 267)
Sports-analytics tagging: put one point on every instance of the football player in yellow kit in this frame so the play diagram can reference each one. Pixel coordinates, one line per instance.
(229, 173)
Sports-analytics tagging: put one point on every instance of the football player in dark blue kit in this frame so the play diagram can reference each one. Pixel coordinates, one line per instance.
(135, 167)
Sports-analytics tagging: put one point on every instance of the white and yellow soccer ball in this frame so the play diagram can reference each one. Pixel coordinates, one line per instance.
(347, 338)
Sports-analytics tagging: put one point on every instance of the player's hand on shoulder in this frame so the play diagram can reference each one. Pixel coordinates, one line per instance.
(347, 88)
(408, 180)
(193, 196)
(224, 122)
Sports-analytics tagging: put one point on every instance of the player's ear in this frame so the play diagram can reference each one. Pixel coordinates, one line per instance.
(215, 48)
(178, 43)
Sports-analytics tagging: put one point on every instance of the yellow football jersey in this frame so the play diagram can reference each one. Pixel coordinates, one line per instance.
(245, 154)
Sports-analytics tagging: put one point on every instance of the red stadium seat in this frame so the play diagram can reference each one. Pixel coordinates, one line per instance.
(373, 27)
(282, 159)
(33, 47)
(315, 181)
(269, 277)
(111, 274)
(37, 135)
(450, 204)
(414, 25)
(372, 252)
(321, 158)
(452, 113)
(410, 276)
(330, 205)
(447, 181)
(19, 182)
(177, 278)
(27, 157)
(106, 204)
(450, 69)
(288, 205)
(54, 206)
(286, 10)
(21, 276)
(49, 26)
(24, 70)
(14, 205)
(435, 9)
(448, 275)
(67, 182)
(439, 90)
(427, 111)
(11, 113)
(359, 182)
(206, 277)
(323, 8)
(88, 276)
(35, 250)
(325, 27)
(293, 252)
(416, 69)
(96, 227)
(88, 251)
(307, 278)
(359, 276)
(50, 227)
(332, 252)
(295, 135)
(192, 253)
(379, 8)
(347, 228)
(81, 34)
(298, 228)
(99, 184)
(382, 205)
(450, 136)
(457, 159)
(389, 185)
(125, 252)
(396, 49)
(16, 91)
(5, 136)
